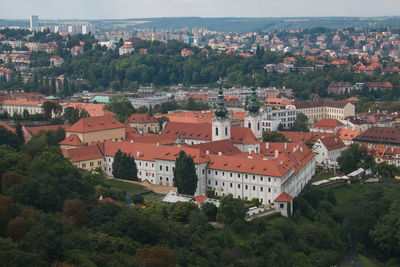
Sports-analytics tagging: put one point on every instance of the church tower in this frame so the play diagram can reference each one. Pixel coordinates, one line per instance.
(221, 124)
(253, 117)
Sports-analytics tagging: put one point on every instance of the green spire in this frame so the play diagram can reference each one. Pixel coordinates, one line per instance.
(253, 105)
(220, 111)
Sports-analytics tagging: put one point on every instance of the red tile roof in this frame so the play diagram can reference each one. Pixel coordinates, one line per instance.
(94, 110)
(90, 152)
(109, 200)
(141, 118)
(385, 135)
(302, 137)
(93, 124)
(224, 146)
(200, 199)
(283, 197)
(265, 166)
(72, 140)
(332, 142)
(35, 130)
(130, 133)
(328, 124)
(150, 152)
(175, 130)
(347, 134)
(5, 125)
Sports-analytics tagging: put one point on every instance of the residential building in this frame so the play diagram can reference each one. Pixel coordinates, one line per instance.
(379, 136)
(327, 150)
(327, 126)
(97, 129)
(34, 22)
(373, 86)
(18, 106)
(56, 61)
(143, 123)
(320, 108)
(148, 101)
(126, 49)
(340, 88)
(87, 158)
(347, 135)
(273, 118)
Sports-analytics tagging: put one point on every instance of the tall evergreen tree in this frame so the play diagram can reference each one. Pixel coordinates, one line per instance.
(124, 166)
(20, 133)
(185, 177)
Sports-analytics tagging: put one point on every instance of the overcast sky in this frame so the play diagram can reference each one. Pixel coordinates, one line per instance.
(108, 9)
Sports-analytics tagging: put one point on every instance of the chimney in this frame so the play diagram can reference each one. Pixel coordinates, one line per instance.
(276, 153)
(301, 149)
(179, 145)
(250, 150)
(335, 139)
(138, 154)
(101, 197)
(267, 145)
(207, 152)
(158, 144)
(281, 162)
(119, 141)
(294, 149)
(219, 153)
(285, 145)
(131, 141)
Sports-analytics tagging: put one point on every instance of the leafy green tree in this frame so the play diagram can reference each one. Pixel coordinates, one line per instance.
(10, 179)
(155, 256)
(75, 212)
(386, 234)
(181, 211)
(6, 209)
(301, 123)
(11, 255)
(185, 177)
(124, 166)
(273, 137)
(386, 170)
(16, 228)
(9, 138)
(231, 209)
(210, 210)
(355, 157)
(50, 107)
(121, 106)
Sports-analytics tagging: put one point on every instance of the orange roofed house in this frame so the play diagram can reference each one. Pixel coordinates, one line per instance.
(93, 129)
(143, 123)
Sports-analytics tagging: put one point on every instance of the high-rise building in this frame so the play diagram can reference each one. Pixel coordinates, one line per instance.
(34, 22)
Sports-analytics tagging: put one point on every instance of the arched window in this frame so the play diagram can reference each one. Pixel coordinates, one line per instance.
(216, 131)
(249, 125)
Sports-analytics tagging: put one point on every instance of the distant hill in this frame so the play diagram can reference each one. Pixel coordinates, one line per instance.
(253, 24)
(231, 24)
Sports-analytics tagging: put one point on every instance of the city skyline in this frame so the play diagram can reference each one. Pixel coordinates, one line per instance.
(122, 9)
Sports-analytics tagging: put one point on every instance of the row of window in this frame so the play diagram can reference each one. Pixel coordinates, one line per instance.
(246, 176)
(91, 164)
(246, 187)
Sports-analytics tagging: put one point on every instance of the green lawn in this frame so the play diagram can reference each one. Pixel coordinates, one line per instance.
(134, 189)
(128, 187)
(322, 175)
